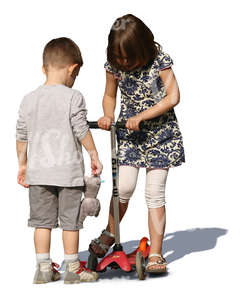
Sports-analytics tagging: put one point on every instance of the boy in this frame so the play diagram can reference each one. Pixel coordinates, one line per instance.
(52, 121)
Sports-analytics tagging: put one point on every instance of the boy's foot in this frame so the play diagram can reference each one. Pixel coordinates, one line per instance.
(101, 245)
(46, 272)
(76, 272)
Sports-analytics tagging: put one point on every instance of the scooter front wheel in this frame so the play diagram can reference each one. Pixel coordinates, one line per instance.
(140, 265)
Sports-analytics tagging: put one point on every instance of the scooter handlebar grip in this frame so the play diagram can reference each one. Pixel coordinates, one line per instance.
(122, 124)
(92, 124)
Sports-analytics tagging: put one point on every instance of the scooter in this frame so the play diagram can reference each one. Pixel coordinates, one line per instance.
(118, 259)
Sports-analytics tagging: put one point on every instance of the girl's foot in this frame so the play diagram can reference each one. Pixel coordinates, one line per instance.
(156, 264)
(101, 245)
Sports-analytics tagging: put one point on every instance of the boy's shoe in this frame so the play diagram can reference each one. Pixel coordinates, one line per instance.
(46, 272)
(76, 272)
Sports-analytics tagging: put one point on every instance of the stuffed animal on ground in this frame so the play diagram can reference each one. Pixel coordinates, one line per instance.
(90, 205)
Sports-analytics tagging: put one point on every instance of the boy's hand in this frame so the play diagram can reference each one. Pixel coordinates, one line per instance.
(105, 122)
(22, 176)
(96, 166)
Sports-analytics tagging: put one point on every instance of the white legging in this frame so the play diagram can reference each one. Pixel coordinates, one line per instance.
(154, 187)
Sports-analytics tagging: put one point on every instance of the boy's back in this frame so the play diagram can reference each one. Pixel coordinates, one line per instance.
(52, 118)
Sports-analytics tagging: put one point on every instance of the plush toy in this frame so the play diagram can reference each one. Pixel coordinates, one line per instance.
(90, 205)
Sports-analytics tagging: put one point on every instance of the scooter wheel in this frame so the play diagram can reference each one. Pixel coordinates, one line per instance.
(140, 265)
(92, 262)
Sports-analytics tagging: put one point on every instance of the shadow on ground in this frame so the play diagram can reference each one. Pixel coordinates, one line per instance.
(175, 246)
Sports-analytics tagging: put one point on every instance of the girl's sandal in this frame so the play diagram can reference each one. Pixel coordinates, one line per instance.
(158, 263)
(101, 245)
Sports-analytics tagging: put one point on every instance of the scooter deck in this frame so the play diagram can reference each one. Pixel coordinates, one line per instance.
(119, 259)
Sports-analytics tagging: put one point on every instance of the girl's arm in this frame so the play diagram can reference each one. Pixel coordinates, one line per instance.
(168, 102)
(172, 99)
(109, 98)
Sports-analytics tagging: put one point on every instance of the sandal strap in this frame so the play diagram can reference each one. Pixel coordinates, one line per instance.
(155, 254)
(162, 260)
(158, 262)
(107, 233)
(101, 245)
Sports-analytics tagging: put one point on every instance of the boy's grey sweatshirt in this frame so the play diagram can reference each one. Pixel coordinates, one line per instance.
(52, 119)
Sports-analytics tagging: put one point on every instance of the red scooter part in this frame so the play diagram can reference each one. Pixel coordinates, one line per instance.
(114, 260)
(126, 262)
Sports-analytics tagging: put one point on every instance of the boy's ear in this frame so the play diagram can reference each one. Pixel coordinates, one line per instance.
(43, 70)
(74, 70)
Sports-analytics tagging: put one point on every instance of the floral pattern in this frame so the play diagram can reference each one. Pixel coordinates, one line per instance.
(160, 143)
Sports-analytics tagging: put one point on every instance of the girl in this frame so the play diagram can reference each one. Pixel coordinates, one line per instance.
(149, 91)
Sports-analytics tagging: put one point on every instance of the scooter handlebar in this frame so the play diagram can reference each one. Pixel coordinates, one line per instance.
(93, 124)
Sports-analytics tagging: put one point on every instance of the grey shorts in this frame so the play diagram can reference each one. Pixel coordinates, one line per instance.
(50, 203)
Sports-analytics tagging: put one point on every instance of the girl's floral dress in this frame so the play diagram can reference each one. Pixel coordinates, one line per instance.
(160, 143)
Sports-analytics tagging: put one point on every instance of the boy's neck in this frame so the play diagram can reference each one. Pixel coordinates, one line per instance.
(50, 82)
(54, 78)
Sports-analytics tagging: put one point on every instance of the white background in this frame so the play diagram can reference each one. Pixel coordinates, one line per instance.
(203, 242)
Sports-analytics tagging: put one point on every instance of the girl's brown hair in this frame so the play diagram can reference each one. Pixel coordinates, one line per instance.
(130, 40)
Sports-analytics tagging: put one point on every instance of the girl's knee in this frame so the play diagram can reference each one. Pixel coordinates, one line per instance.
(125, 193)
(127, 182)
(155, 202)
(155, 195)
(155, 187)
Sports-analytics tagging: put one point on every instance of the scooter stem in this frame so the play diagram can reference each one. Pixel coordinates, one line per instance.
(115, 193)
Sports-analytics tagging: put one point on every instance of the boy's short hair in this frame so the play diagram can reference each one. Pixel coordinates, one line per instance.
(61, 52)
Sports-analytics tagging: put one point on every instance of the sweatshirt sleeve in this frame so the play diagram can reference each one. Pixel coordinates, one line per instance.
(78, 115)
(21, 126)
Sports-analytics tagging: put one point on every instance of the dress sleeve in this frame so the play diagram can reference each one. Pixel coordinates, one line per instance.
(164, 61)
(78, 115)
(109, 68)
(21, 126)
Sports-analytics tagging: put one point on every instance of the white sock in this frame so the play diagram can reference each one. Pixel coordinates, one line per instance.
(40, 257)
(71, 257)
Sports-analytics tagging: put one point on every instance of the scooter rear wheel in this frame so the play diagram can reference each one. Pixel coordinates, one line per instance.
(140, 265)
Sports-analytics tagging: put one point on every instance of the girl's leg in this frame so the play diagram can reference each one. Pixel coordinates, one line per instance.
(128, 176)
(155, 199)
(122, 210)
(127, 182)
